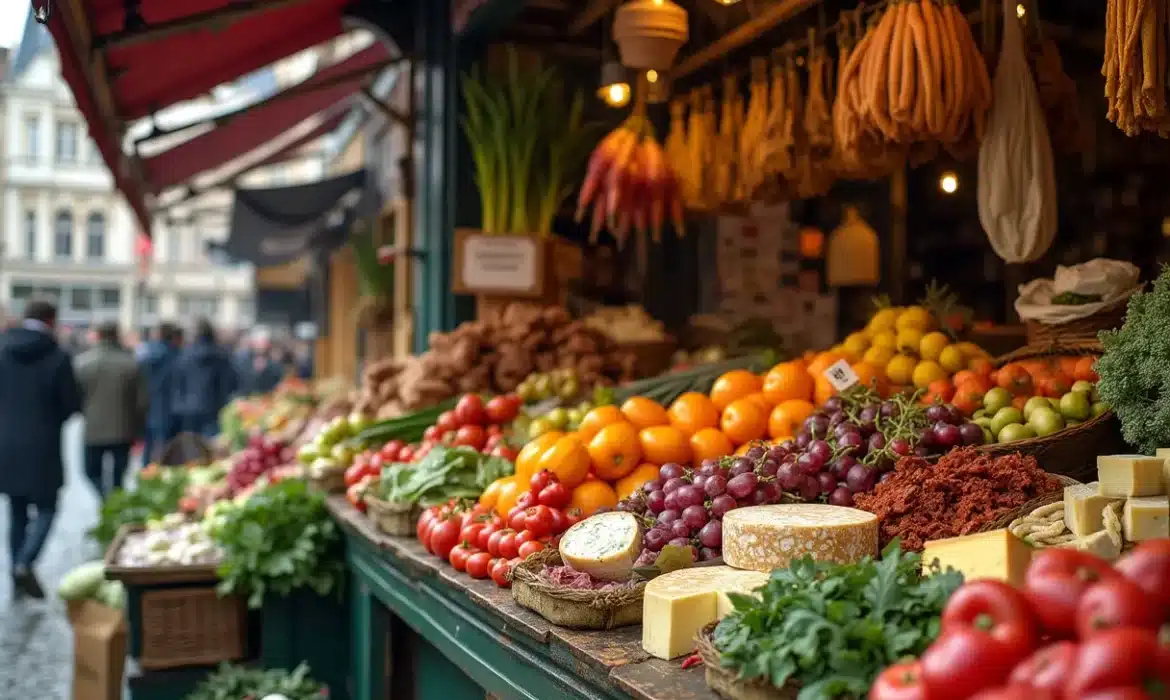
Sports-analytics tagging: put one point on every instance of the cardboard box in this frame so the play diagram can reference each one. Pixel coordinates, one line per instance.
(99, 650)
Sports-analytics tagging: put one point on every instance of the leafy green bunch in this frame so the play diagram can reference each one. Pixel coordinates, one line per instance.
(237, 682)
(279, 541)
(1134, 372)
(832, 628)
(444, 473)
(149, 499)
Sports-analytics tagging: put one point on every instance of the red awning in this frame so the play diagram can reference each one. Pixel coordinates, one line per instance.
(260, 123)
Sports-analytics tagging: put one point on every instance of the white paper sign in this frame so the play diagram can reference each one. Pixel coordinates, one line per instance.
(841, 375)
(505, 263)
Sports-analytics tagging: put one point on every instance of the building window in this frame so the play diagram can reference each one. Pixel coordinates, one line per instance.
(63, 234)
(110, 298)
(93, 155)
(200, 306)
(174, 244)
(32, 139)
(95, 236)
(30, 234)
(21, 294)
(66, 142)
(149, 303)
(49, 294)
(80, 299)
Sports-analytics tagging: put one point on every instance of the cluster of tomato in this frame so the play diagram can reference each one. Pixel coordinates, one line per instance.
(474, 423)
(484, 544)
(1079, 629)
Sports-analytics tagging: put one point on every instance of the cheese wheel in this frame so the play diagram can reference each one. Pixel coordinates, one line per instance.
(677, 605)
(762, 538)
(604, 546)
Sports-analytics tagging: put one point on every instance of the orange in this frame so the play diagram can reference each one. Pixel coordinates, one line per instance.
(568, 459)
(941, 390)
(870, 376)
(592, 496)
(824, 391)
(510, 490)
(760, 400)
(491, 495)
(664, 443)
(822, 362)
(1083, 371)
(968, 399)
(709, 443)
(596, 419)
(744, 421)
(644, 412)
(692, 412)
(634, 480)
(981, 366)
(786, 381)
(530, 454)
(787, 418)
(615, 451)
(734, 385)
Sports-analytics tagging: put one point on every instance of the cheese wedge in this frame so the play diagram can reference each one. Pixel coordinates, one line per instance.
(1146, 518)
(1126, 476)
(997, 555)
(1084, 508)
(677, 605)
(605, 546)
(1099, 544)
(762, 538)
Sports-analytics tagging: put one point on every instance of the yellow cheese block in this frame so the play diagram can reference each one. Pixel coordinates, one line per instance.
(1099, 544)
(677, 605)
(1163, 453)
(1146, 518)
(997, 554)
(1084, 508)
(604, 546)
(1125, 476)
(762, 538)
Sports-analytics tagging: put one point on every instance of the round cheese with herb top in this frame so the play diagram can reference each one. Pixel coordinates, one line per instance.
(762, 538)
(605, 546)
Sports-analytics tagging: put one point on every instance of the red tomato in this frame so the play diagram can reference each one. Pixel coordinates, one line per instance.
(423, 530)
(377, 459)
(525, 536)
(354, 474)
(444, 536)
(517, 519)
(526, 500)
(447, 422)
(432, 433)
(964, 662)
(538, 519)
(489, 529)
(507, 545)
(1119, 694)
(504, 452)
(899, 682)
(499, 573)
(492, 441)
(1148, 565)
(555, 495)
(1047, 669)
(502, 409)
(406, 454)
(391, 449)
(493, 543)
(471, 436)
(354, 494)
(478, 564)
(458, 556)
(1114, 603)
(1016, 692)
(560, 521)
(494, 429)
(529, 548)
(540, 480)
(1055, 582)
(470, 533)
(470, 410)
(995, 609)
(1119, 659)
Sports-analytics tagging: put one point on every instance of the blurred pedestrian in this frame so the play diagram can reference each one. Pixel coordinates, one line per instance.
(115, 403)
(158, 361)
(203, 382)
(38, 393)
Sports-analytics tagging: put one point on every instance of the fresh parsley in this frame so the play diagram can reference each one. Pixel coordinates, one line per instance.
(830, 629)
(278, 541)
(235, 682)
(149, 499)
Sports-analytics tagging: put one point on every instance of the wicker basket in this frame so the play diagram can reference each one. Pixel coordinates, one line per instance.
(183, 450)
(190, 626)
(726, 683)
(570, 607)
(393, 518)
(332, 482)
(1073, 451)
(1081, 330)
(152, 575)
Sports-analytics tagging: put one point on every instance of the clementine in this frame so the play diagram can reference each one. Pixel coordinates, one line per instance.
(692, 412)
(615, 451)
(644, 412)
(568, 459)
(871, 376)
(530, 454)
(710, 443)
(592, 496)
(596, 419)
(786, 381)
(822, 362)
(732, 386)
(744, 421)
(824, 391)
(787, 418)
(664, 443)
(981, 366)
(634, 480)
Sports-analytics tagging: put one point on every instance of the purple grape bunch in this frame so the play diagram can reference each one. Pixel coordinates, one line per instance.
(262, 455)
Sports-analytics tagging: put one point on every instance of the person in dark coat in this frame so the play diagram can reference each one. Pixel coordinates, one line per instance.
(203, 382)
(158, 363)
(38, 393)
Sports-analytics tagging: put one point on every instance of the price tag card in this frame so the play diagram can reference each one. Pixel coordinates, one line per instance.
(841, 375)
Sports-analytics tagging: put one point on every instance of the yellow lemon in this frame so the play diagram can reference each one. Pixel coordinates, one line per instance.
(971, 350)
(952, 360)
(908, 341)
(926, 372)
(932, 345)
(915, 317)
(856, 344)
(878, 356)
(900, 369)
(883, 320)
(885, 339)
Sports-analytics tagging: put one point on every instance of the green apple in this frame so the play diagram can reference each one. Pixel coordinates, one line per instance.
(1083, 386)
(1046, 421)
(1005, 416)
(1076, 405)
(558, 418)
(1034, 403)
(1015, 431)
(996, 399)
(980, 413)
(984, 421)
(988, 438)
(1099, 407)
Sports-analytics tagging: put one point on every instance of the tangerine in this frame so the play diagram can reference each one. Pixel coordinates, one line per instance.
(744, 421)
(644, 412)
(693, 412)
(664, 443)
(1084, 370)
(732, 386)
(592, 496)
(615, 451)
(634, 480)
(568, 459)
(787, 381)
(870, 376)
(822, 362)
(823, 392)
(709, 443)
(596, 419)
(787, 418)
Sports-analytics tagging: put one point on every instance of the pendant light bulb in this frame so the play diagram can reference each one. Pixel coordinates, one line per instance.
(727, 2)
(615, 85)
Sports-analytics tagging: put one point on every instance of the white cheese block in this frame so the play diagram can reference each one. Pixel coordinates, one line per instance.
(762, 538)
(1146, 518)
(1084, 508)
(604, 546)
(1163, 453)
(1099, 544)
(677, 605)
(1126, 476)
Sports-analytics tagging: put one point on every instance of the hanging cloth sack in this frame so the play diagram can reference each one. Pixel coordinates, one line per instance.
(854, 258)
(1017, 183)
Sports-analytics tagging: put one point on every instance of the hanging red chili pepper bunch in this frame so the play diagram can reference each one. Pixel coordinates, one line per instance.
(1080, 628)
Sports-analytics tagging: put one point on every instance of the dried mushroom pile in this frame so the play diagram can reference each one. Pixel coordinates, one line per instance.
(493, 355)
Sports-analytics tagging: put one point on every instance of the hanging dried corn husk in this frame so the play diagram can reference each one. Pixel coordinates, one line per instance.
(854, 258)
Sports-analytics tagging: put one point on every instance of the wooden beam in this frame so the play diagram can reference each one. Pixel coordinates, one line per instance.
(387, 111)
(742, 35)
(565, 50)
(548, 4)
(232, 12)
(594, 11)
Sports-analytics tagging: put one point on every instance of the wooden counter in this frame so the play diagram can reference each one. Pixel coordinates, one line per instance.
(423, 630)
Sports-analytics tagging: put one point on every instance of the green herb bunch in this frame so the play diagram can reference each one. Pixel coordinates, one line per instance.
(236, 682)
(444, 473)
(832, 628)
(149, 499)
(1134, 375)
(279, 541)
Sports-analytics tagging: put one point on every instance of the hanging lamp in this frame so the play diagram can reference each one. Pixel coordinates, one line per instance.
(649, 33)
(615, 84)
(854, 255)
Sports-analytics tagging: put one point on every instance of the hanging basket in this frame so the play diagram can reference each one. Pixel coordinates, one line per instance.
(649, 33)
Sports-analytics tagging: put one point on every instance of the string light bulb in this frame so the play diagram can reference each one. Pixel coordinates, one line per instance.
(615, 85)
(1021, 10)
(652, 76)
(949, 183)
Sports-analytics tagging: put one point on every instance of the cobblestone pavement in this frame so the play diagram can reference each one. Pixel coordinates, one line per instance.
(36, 643)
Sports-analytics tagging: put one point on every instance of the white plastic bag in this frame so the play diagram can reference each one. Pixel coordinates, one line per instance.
(1017, 184)
(1114, 280)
